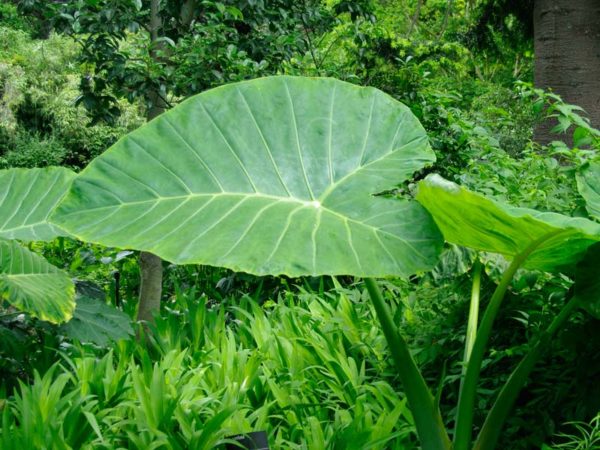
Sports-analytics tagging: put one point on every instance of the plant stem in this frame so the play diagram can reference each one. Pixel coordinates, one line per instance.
(466, 399)
(428, 420)
(488, 436)
(473, 313)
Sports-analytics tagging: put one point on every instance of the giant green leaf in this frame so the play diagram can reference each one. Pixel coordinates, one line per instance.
(272, 176)
(588, 184)
(472, 220)
(27, 196)
(32, 284)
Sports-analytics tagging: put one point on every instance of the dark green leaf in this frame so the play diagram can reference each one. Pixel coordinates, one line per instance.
(95, 321)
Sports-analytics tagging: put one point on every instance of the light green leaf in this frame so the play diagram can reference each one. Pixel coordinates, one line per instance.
(272, 176)
(27, 196)
(33, 285)
(95, 321)
(472, 220)
(588, 185)
(587, 281)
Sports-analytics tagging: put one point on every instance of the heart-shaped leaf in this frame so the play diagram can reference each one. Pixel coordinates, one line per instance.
(588, 184)
(27, 196)
(272, 176)
(472, 220)
(32, 284)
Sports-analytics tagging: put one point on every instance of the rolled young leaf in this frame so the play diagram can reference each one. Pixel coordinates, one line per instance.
(27, 196)
(274, 176)
(32, 284)
(472, 220)
(588, 185)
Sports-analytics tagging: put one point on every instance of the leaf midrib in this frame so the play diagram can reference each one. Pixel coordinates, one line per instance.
(304, 203)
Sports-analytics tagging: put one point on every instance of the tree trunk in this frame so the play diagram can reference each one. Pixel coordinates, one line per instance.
(567, 55)
(151, 272)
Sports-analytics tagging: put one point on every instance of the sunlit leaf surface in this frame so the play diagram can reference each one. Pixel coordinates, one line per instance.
(272, 176)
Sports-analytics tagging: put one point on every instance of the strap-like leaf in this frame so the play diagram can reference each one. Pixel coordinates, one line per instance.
(32, 284)
(27, 196)
(272, 176)
(472, 220)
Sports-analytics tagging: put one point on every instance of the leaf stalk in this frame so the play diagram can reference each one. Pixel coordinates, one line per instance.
(428, 419)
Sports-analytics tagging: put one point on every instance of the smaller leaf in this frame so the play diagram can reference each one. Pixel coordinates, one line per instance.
(581, 137)
(33, 285)
(95, 321)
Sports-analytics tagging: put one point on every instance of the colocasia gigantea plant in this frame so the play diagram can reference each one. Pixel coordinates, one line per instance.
(282, 175)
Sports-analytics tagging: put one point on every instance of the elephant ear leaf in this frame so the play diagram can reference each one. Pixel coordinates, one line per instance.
(277, 175)
(588, 184)
(32, 284)
(472, 220)
(27, 196)
(587, 281)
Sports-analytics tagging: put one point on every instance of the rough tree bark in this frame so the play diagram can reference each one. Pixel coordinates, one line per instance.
(567, 55)
(151, 271)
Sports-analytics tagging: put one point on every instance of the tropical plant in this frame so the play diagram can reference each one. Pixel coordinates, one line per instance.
(530, 240)
(291, 191)
(301, 186)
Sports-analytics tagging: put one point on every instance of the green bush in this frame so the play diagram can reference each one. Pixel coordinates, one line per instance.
(39, 84)
(28, 150)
